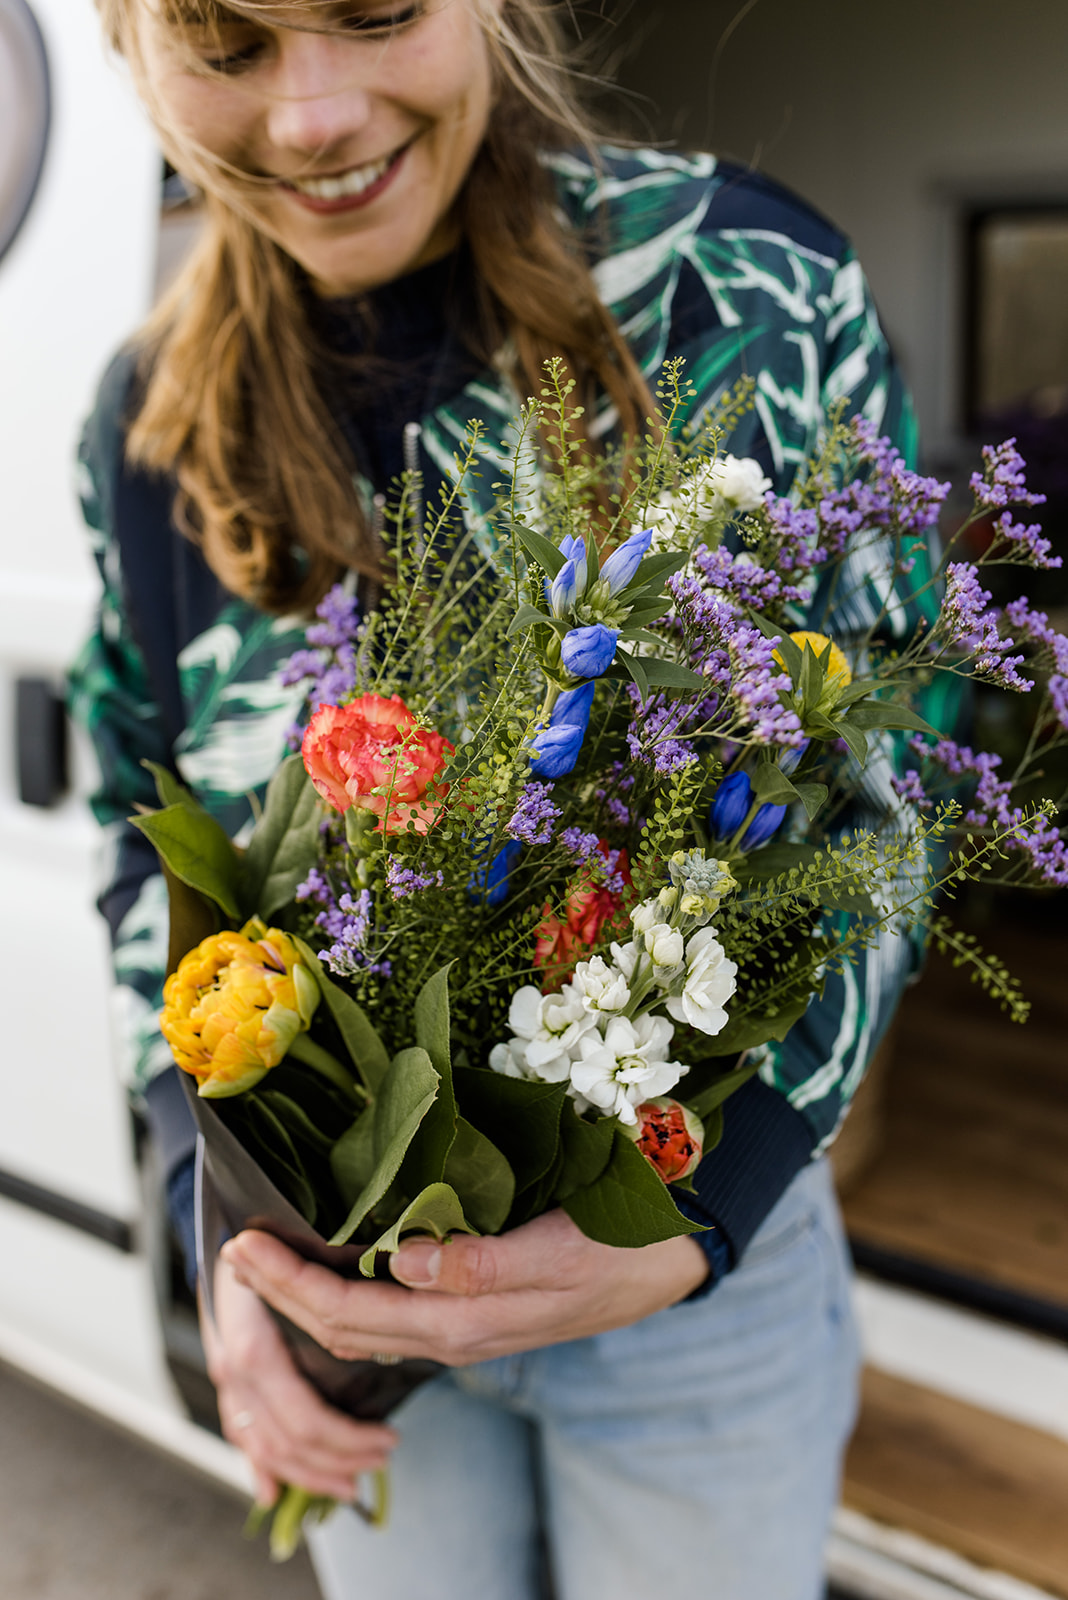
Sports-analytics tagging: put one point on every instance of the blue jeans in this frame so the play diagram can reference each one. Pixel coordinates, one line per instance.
(696, 1452)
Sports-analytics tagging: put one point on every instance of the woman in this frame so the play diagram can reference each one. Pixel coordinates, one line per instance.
(406, 216)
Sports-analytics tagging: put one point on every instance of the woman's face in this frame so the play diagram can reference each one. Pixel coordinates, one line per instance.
(359, 121)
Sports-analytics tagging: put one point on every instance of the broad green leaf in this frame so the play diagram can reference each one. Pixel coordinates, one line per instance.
(352, 1158)
(888, 714)
(772, 785)
(294, 1118)
(192, 918)
(635, 669)
(587, 1150)
(430, 1148)
(283, 1164)
(285, 841)
(810, 685)
(306, 1050)
(789, 653)
(543, 551)
(522, 1119)
(771, 860)
(432, 1025)
(720, 1089)
(527, 616)
(854, 738)
(812, 796)
(744, 1032)
(670, 674)
(406, 1094)
(628, 1205)
(436, 1210)
(198, 851)
(714, 1125)
(170, 788)
(647, 611)
(369, 1055)
(482, 1178)
(652, 570)
(857, 690)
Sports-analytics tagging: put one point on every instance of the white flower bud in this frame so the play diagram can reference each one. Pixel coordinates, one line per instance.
(665, 944)
(645, 916)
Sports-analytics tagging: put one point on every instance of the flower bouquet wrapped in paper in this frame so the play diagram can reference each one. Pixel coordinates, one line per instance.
(577, 833)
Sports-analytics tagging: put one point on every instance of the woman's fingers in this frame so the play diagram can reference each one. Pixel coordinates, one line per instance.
(272, 1414)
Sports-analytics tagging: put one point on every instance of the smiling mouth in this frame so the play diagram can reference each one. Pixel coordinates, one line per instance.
(346, 185)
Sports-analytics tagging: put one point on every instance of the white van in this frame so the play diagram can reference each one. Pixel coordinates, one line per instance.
(91, 1300)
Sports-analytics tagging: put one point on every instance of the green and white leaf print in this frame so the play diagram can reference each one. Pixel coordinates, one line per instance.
(694, 260)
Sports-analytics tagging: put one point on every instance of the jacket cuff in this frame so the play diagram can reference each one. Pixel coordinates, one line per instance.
(765, 1145)
(170, 1121)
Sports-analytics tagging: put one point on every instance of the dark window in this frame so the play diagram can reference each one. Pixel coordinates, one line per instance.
(1017, 344)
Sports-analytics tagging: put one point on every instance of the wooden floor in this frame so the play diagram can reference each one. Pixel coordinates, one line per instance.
(972, 1172)
(991, 1489)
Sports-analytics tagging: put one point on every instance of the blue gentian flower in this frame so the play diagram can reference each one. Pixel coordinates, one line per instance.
(587, 652)
(563, 591)
(623, 563)
(492, 882)
(790, 759)
(556, 748)
(575, 550)
(730, 807)
(766, 822)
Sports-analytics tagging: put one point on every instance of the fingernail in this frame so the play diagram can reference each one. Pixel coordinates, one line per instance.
(417, 1264)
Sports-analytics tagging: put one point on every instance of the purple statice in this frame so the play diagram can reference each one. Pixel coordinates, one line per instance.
(330, 665)
(403, 881)
(892, 495)
(1058, 696)
(580, 845)
(757, 687)
(1025, 543)
(345, 921)
(745, 580)
(652, 737)
(535, 815)
(621, 783)
(968, 621)
(909, 787)
(601, 863)
(1001, 482)
(796, 531)
(339, 620)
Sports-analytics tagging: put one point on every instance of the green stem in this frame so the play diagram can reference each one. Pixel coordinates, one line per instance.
(310, 1054)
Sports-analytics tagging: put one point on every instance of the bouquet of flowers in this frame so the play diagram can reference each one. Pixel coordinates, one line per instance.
(584, 814)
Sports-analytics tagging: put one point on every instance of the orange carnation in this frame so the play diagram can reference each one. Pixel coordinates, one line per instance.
(372, 755)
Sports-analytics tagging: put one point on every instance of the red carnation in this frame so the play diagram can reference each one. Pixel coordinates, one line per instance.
(374, 744)
(559, 946)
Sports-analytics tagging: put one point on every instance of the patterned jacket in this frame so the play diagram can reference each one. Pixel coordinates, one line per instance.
(694, 258)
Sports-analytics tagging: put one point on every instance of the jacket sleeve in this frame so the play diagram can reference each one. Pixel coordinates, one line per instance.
(795, 1105)
(112, 698)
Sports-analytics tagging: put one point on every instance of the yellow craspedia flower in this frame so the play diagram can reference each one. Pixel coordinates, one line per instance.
(234, 1007)
(839, 676)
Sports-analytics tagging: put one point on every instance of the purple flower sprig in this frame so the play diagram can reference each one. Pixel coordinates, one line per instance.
(402, 881)
(969, 623)
(329, 666)
(349, 922)
(535, 815)
(1001, 482)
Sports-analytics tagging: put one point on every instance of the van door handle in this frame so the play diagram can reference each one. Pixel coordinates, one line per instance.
(40, 742)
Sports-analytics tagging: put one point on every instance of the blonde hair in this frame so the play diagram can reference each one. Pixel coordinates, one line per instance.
(231, 402)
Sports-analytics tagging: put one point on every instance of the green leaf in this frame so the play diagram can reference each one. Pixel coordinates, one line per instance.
(527, 616)
(311, 1054)
(283, 1164)
(810, 685)
(284, 843)
(522, 1119)
(352, 1158)
(858, 689)
(170, 788)
(198, 851)
(720, 1089)
(432, 1027)
(482, 1178)
(744, 1032)
(426, 1161)
(436, 1210)
(628, 1205)
(295, 1119)
(368, 1053)
(543, 551)
(771, 860)
(652, 570)
(406, 1094)
(888, 714)
(587, 1150)
(192, 918)
(714, 1125)
(670, 674)
(854, 738)
(634, 669)
(771, 785)
(789, 652)
(647, 611)
(812, 796)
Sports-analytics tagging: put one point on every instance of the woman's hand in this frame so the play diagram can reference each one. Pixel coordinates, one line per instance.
(542, 1284)
(270, 1412)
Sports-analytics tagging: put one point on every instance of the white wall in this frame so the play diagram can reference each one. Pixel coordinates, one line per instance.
(888, 117)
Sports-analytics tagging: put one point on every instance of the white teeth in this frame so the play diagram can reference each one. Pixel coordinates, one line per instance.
(343, 187)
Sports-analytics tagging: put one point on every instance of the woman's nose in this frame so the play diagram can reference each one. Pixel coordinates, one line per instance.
(318, 100)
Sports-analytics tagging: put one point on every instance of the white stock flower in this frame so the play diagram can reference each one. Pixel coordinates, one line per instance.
(710, 981)
(615, 1073)
(599, 986)
(625, 957)
(548, 1028)
(731, 484)
(665, 944)
(645, 916)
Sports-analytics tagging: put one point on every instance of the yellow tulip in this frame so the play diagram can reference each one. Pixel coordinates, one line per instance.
(234, 1006)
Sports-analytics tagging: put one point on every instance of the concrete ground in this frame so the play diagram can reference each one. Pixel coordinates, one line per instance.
(87, 1513)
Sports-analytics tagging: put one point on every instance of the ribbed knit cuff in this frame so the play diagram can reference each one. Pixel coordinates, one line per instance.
(765, 1144)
